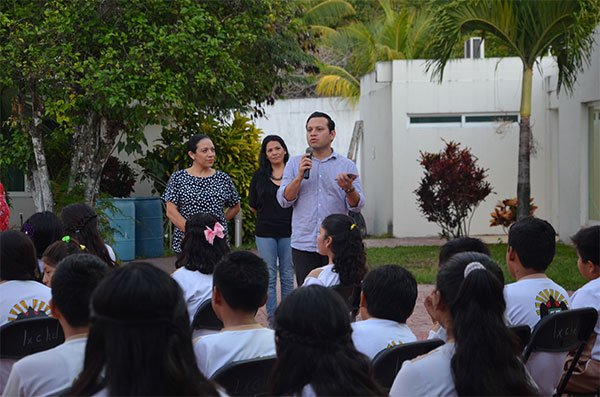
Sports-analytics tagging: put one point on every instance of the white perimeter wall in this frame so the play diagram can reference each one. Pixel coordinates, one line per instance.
(391, 147)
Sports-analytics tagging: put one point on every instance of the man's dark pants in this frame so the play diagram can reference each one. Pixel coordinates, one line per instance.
(305, 261)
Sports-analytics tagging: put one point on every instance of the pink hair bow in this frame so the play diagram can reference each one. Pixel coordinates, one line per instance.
(210, 234)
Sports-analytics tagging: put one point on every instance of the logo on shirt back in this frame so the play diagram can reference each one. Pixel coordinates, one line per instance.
(549, 301)
(22, 310)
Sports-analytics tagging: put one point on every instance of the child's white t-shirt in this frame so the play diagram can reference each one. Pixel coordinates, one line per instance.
(217, 350)
(49, 372)
(23, 299)
(327, 278)
(527, 300)
(375, 334)
(196, 286)
(426, 375)
(589, 296)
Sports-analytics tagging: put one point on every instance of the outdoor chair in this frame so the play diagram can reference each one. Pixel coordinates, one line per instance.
(21, 338)
(564, 331)
(388, 362)
(205, 318)
(351, 295)
(246, 377)
(522, 332)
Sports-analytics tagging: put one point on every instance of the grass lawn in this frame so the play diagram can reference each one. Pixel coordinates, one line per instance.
(422, 262)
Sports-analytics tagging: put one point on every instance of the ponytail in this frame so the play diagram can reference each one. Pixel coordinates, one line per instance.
(350, 257)
(486, 359)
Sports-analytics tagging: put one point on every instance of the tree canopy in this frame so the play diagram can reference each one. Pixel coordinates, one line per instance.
(104, 69)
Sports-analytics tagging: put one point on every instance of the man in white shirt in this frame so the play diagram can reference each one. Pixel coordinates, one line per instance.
(387, 300)
(240, 283)
(51, 371)
(531, 248)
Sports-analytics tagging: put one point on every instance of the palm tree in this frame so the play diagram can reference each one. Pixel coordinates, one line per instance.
(394, 35)
(532, 29)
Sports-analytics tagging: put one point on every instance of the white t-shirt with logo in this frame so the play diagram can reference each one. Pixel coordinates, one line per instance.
(426, 375)
(217, 350)
(196, 286)
(19, 300)
(527, 300)
(327, 278)
(49, 372)
(589, 296)
(375, 334)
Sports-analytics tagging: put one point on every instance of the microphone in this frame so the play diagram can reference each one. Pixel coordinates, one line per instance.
(309, 151)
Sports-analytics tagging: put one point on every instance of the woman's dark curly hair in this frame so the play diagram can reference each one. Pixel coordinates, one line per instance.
(314, 347)
(196, 252)
(81, 223)
(350, 258)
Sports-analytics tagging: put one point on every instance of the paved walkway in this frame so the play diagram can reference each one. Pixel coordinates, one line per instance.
(419, 321)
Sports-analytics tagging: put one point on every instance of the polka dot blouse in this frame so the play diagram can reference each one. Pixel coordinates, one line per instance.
(195, 194)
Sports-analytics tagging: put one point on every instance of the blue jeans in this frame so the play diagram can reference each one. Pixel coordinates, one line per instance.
(270, 249)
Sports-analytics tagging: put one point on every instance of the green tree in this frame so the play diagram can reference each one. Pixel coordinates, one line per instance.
(104, 69)
(394, 30)
(531, 29)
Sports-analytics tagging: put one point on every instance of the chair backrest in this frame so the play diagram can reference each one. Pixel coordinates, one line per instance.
(563, 331)
(246, 377)
(522, 332)
(21, 338)
(205, 317)
(351, 295)
(388, 362)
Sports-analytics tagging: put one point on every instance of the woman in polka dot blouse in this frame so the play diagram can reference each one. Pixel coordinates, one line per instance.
(199, 188)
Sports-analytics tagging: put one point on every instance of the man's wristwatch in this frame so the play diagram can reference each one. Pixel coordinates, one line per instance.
(350, 189)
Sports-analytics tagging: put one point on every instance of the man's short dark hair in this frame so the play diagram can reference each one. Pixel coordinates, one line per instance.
(73, 282)
(242, 279)
(534, 240)
(390, 292)
(462, 244)
(330, 122)
(587, 244)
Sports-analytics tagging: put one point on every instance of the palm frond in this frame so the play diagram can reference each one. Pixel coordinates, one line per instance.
(328, 12)
(336, 81)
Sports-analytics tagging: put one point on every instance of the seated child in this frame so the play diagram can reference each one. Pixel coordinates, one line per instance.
(481, 357)
(50, 372)
(315, 353)
(586, 377)
(43, 228)
(240, 287)
(531, 247)
(202, 247)
(341, 241)
(55, 253)
(387, 300)
(453, 247)
(140, 340)
(20, 295)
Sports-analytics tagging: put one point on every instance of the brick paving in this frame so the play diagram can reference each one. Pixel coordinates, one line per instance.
(419, 321)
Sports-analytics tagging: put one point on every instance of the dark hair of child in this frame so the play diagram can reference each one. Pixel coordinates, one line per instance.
(140, 340)
(534, 241)
(242, 278)
(314, 347)
(17, 256)
(350, 257)
(390, 292)
(73, 282)
(197, 253)
(486, 359)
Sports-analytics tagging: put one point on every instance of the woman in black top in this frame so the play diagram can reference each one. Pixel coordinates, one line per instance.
(273, 223)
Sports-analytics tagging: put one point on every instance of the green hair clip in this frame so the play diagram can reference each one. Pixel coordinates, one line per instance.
(66, 239)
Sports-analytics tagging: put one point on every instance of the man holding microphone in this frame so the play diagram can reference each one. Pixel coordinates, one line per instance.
(318, 183)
